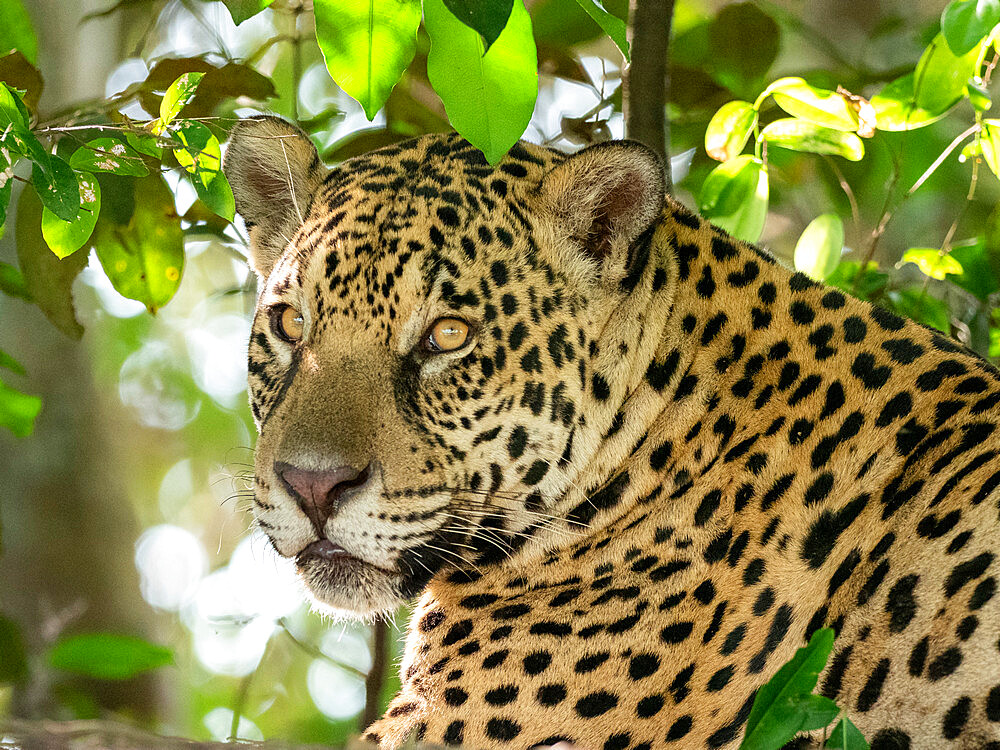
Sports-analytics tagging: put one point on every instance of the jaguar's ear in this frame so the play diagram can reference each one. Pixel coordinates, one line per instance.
(274, 171)
(605, 196)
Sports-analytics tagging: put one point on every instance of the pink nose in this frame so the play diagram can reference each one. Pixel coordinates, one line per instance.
(319, 493)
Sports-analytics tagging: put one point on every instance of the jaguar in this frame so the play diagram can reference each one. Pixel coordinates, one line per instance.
(625, 463)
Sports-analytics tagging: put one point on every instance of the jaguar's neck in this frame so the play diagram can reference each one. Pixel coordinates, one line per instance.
(700, 317)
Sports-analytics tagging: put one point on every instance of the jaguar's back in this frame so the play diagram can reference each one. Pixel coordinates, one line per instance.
(653, 464)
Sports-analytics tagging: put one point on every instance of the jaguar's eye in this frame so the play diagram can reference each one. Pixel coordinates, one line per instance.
(287, 323)
(446, 335)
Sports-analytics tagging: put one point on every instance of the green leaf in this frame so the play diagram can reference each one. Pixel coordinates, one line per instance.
(367, 44)
(66, 237)
(729, 129)
(989, 145)
(819, 247)
(735, 196)
(13, 659)
(916, 304)
(12, 282)
(486, 18)
(784, 704)
(931, 262)
(489, 97)
(57, 187)
(930, 92)
(965, 23)
(819, 106)
(565, 24)
(48, 279)
(180, 92)
(217, 195)
(980, 269)
(815, 712)
(800, 135)
(201, 155)
(108, 155)
(144, 144)
(17, 413)
(145, 258)
(16, 31)
(866, 284)
(896, 107)
(611, 24)
(241, 10)
(743, 42)
(846, 736)
(108, 656)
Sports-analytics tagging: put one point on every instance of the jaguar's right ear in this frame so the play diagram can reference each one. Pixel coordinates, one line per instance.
(274, 171)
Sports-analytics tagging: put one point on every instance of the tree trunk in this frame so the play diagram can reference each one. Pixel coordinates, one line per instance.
(647, 83)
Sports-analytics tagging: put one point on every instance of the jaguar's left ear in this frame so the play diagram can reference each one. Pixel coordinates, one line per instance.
(605, 196)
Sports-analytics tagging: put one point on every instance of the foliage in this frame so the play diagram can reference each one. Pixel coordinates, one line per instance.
(786, 706)
(871, 176)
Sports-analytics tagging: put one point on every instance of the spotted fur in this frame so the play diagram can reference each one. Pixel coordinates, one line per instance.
(663, 462)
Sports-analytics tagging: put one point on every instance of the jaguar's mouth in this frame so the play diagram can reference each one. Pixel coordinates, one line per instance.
(338, 580)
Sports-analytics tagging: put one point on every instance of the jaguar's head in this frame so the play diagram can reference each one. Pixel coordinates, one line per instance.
(427, 351)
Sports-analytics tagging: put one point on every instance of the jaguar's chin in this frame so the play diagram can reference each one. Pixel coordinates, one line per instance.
(347, 586)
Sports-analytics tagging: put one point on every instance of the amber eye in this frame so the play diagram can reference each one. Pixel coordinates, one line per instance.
(446, 335)
(287, 323)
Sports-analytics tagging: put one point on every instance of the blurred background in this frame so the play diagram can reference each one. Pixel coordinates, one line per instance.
(126, 511)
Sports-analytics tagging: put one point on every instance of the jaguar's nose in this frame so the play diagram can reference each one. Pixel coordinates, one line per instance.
(320, 493)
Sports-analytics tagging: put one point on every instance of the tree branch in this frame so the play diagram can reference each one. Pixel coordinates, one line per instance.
(647, 84)
(376, 675)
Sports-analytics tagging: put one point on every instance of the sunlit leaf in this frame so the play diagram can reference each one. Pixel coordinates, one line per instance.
(487, 18)
(930, 92)
(611, 24)
(57, 187)
(735, 196)
(48, 279)
(729, 129)
(489, 98)
(241, 10)
(145, 258)
(931, 262)
(108, 155)
(819, 106)
(201, 155)
(965, 23)
(17, 413)
(107, 656)
(66, 237)
(17, 72)
(818, 250)
(846, 736)
(989, 145)
(177, 95)
(16, 31)
(896, 107)
(367, 44)
(800, 135)
(781, 706)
